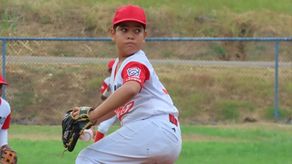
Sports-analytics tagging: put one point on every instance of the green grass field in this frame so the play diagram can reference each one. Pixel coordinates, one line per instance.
(259, 143)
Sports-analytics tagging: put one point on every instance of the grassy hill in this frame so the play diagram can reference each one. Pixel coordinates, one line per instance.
(165, 18)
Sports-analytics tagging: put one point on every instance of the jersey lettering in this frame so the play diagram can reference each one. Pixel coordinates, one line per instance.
(121, 111)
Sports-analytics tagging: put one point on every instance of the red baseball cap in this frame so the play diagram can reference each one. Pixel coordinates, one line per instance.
(110, 64)
(129, 13)
(2, 81)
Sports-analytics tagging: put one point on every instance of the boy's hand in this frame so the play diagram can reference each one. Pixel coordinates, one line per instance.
(74, 123)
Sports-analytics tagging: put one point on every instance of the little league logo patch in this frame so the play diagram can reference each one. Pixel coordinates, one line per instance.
(134, 72)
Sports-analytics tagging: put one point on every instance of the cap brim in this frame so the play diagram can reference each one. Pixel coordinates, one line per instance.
(125, 20)
(3, 83)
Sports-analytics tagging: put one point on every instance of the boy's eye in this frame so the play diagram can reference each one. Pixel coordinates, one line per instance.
(123, 29)
(137, 31)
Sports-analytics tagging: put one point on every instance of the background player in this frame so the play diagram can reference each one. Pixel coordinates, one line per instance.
(104, 126)
(150, 131)
(104, 89)
(5, 117)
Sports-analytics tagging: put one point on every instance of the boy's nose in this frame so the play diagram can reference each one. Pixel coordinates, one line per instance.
(130, 36)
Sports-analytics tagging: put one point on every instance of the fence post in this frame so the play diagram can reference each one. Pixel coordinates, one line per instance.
(4, 43)
(276, 83)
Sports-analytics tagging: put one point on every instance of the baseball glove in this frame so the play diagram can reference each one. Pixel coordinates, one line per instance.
(8, 156)
(72, 127)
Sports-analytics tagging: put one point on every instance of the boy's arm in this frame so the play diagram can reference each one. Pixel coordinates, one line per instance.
(107, 116)
(121, 96)
(3, 137)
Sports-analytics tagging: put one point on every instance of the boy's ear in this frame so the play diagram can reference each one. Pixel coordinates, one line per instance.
(145, 35)
(112, 33)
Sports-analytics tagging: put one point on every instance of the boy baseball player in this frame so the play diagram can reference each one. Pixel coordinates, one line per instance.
(4, 116)
(150, 130)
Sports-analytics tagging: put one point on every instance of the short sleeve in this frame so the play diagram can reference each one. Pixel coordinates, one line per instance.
(103, 87)
(135, 71)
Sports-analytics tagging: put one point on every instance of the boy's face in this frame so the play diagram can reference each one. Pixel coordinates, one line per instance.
(129, 37)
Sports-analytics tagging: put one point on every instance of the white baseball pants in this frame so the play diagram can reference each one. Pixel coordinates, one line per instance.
(151, 141)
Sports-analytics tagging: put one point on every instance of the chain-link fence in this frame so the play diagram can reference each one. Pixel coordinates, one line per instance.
(223, 80)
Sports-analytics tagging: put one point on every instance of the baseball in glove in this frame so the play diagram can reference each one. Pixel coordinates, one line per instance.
(72, 127)
(8, 156)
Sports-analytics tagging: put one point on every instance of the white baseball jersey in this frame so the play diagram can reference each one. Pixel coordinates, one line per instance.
(4, 114)
(150, 132)
(153, 98)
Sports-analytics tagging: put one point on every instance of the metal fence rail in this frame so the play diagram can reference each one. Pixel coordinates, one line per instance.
(275, 40)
